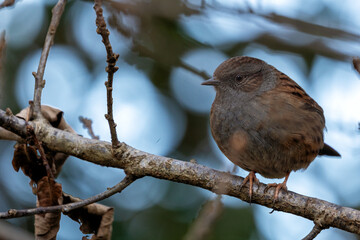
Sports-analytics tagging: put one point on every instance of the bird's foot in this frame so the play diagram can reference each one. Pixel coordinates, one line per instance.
(251, 178)
(278, 187)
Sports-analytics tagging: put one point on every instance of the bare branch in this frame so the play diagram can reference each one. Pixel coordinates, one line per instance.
(7, 3)
(12, 213)
(110, 69)
(8, 135)
(10, 232)
(317, 33)
(204, 223)
(139, 163)
(14, 124)
(87, 124)
(314, 232)
(210, 213)
(190, 68)
(148, 53)
(49, 40)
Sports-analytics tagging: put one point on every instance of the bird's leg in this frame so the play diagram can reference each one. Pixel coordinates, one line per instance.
(278, 186)
(250, 178)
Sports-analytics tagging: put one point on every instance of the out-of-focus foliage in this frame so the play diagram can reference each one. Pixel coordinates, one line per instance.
(166, 49)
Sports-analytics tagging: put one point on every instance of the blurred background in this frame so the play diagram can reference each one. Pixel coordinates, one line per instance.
(167, 48)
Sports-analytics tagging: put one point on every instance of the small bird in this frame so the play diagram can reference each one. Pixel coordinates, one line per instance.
(264, 122)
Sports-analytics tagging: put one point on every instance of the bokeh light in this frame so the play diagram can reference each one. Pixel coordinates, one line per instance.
(65, 76)
(30, 12)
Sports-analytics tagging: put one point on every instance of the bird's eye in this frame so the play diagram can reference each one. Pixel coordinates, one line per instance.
(239, 78)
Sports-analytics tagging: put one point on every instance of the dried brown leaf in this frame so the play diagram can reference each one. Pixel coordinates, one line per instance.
(53, 115)
(49, 193)
(95, 218)
(26, 157)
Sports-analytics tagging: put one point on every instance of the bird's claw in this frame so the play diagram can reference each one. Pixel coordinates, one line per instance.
(278, 187)
(251, 178)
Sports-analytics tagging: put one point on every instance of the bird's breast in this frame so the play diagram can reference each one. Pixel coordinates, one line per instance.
(231, 124)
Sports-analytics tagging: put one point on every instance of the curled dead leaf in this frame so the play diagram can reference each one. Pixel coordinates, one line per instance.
(49, 193)
(26, 157)
(95, 218)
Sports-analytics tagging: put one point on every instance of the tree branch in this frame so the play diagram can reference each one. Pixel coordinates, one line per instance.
(10, 232)
(110, 69)
(196, 71)
(7, 3)
(204, 223)
(12, 213)
(49, 40)
(139, 163)
(87, 124)
(314, 232)
(144, 51)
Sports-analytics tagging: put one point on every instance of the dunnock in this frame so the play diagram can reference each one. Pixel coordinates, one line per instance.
(264, 122)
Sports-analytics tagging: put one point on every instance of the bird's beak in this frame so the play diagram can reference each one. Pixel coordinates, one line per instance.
(211, 82)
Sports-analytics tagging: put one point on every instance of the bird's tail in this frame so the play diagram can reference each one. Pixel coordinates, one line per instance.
(329, 151)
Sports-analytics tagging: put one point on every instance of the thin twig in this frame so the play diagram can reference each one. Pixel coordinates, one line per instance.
(211, 211)
(208, 216)
(110, 69)
(190, 68)
(144, 51)
(87, 124)
(49, 40)
(13, 213)
(203, 225)
(39, 147)
(148, 53)
(9, 231)
(314, 232)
